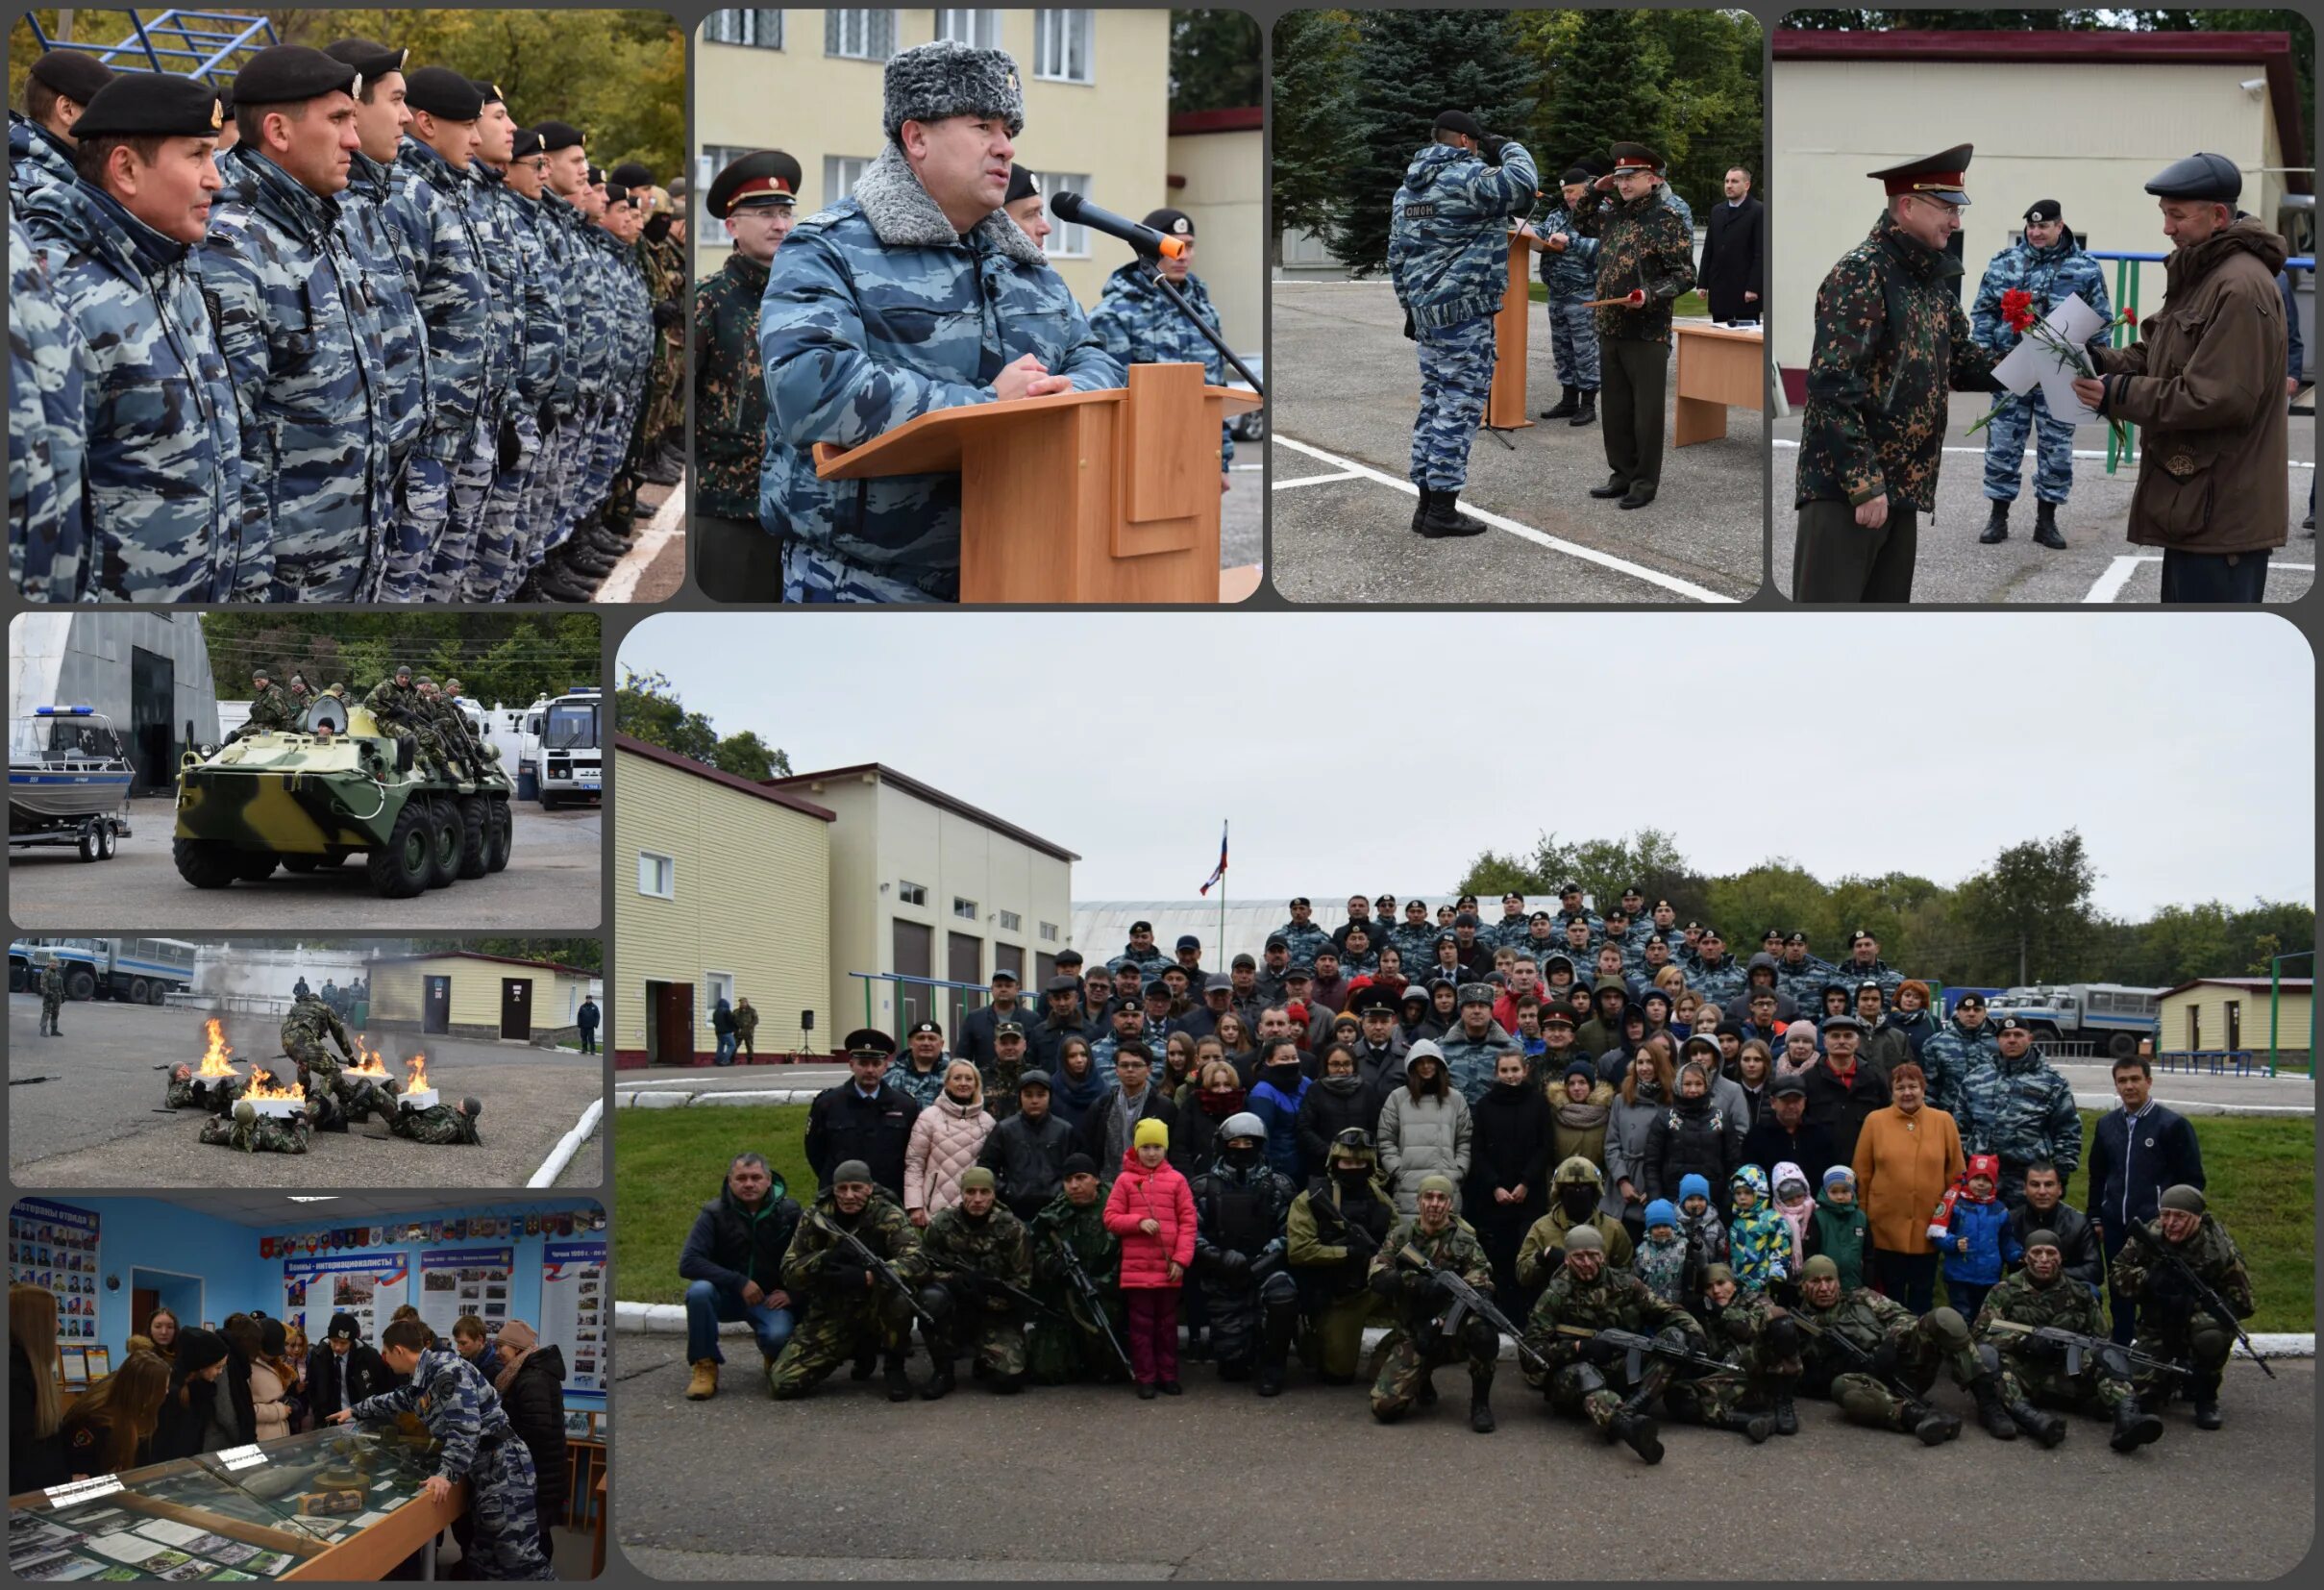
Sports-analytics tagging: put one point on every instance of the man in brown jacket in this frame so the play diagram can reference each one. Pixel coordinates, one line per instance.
(2205, 380)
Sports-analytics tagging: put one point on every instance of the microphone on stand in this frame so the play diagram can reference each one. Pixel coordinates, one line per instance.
(1068, 205)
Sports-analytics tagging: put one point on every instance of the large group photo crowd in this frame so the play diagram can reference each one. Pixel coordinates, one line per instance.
(1677, 1182)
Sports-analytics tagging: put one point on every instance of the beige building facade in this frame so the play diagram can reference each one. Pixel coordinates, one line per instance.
(720, 889)
(2233, 1013)
(464, 994)
(1218, 176)
(2085, 119)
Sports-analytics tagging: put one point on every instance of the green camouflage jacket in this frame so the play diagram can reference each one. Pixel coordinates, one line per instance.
(437, 1123)
(2211, 1254)
(1642, 244)
(259, 1134)
(882, 1226)
(730, 389)
(1616, 1301)
(995, 1247)
(2019, 1299)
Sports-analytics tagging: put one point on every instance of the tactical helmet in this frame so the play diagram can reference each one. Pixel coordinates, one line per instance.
(1243, 1124)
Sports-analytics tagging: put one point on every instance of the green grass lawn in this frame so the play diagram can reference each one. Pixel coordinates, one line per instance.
(2261, 1173)
(1691, 303)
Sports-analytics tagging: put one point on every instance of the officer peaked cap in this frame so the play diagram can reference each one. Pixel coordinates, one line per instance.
(1938, 176)
(560, 135)
(369, 57)
(291, 74)
(76, 74)
(160, 105)
(441, 91)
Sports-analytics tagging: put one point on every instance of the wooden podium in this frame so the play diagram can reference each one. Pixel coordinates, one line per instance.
(1505, 404)
(1106, 496)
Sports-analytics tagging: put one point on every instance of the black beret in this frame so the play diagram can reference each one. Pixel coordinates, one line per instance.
(441, 91)
(367, 55)
(527, 144)
(560, 135)
(76, 74)
(290, 74)
(2199, 176)
(151, 105)
(488, 90)
(632, 174)
(1461, 123)
(616, 194)
(1023, 182)
(597, 176)
(764, 177)
(2045, 210)
(1171, 223)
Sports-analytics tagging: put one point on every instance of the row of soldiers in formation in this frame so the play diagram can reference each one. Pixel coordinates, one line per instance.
(1279, 1266)
(361, 339)
(336, 1094)
(445, 741)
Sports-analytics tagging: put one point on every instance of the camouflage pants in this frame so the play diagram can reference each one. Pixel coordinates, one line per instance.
(216, 1095)
(1060, 1354)
(995, 1335)
(1583, 1388)
(50, 1005)
(471, 475)
(1939, 1340)
(1456, 377)
(504, 1512)
(832, 1335)
(607, 442)
(1411, 1359)
(1710, 1399)
(265, 1134)
(1331, 1338)
(359, 1097)
(2200, 1342)
(423, 498)
(2025, 1378)
(811, 575)
(2005, 449)
(1252, 1325)
(544, 518)
(1574, 344)
(499, 541)
(579, 459)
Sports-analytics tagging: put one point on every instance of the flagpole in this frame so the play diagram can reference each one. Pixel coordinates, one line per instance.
(1223, 851)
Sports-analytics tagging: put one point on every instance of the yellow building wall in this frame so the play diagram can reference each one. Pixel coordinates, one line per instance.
(2209, 1005)
(752, 898)
(2088, 135)
(1225, 188)
(1113, 129)
(398, 991)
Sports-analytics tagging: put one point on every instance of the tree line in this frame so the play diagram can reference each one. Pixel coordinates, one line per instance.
(513, 662)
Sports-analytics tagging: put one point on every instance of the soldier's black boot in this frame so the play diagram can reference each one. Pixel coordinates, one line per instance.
(1587, 413)
(1934, 1428)
(2205, 1395)
(1271, 1379)
(1427, 1390)
(1995, 1418)
(900, 1383)
(1007, 1385)
(1480, 1409)
(1996, 525)
(1444, 518)
(1756, 1425)
(1568, 403)
(2133, 1426)
(2046, 526)
(1787, 1417)
(2045, 1428)
(1615, 486)
(1420, 510)
(1640, 1433)
(866, 1365)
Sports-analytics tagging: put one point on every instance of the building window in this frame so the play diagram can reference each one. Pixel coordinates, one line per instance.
(1061, 46)
(1048, 932)
(966, 909)
(840, 175)
(909, 893)
(721, 987)
(1011, 923)
(657, 876)
(760, 30)
(708, 161)
(978, 28)
(859, 35)
(1066, 240)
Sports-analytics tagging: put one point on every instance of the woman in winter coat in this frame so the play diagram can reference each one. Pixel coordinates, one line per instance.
(1334, 1102)
(946, 1139)
(1646, 1091)
(1416, 1017)
(1178, 1065)
(272, 1406)
(111, 1427)
(1801, 1050)
(1218, 1094)
(1276, 1093)
(1424, 1128)
(1906, 1156)
(1694, 1135)
(35, 1409)
(1508, 1184)
(530, 1379)
(1580, 1107)
(1077, 1086)
(197, 1414)
(1152, 1210)
(1754, 1070)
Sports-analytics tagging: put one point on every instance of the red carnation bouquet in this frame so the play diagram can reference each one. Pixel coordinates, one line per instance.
(2017, 313)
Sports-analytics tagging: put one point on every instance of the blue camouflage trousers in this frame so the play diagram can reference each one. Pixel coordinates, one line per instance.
(501, 539)
(2005, 449)
(573, 500)
(1574, 343)
(471, 474)
(1456, 377)
(504, 1513)
(545, 521)
(423, 499)
(813, 576)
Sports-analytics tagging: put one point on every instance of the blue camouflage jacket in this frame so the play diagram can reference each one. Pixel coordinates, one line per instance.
(542, 350)
(2051, 274)
(379, 250)
(428, 207)
(164, 459)
(299, 326)
(879, 312)
(1571, 276)
(589, 312)
(2021, 1110)
(47, 509)
(551, 221)
(35, 159)
(503, 269)
(1448, 230)
(455, 1401)
(1139, 326)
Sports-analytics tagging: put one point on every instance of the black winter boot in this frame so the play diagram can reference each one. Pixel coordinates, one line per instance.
(1427, 1391)
(2046, 526)
(900, 1384)
(1444, 518)
(1568, 403)
(2045, 1428)
(1756, 1425)
(1271, 1379)
(1787, 1417)
(1989, 1412)
(1007, 1385)
(1996, 525)
(1587, 413)
(2134, 1427)
(1420, 510)
(1639, 1433)
(1934, 1428)
(940, 1381)
(1480, 1411)
(2205, 1395)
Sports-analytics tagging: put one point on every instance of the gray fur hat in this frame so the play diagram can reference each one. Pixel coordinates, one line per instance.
(947, 78)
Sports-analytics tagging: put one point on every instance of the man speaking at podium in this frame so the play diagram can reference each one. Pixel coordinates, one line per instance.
(914, 293)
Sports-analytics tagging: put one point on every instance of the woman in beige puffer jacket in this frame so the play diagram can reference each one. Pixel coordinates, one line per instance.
(946, 1139)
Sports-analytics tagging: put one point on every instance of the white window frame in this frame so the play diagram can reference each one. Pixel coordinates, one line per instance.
(840, 175)
(965, 910)
(864, 23)
(744, 27)
(976, 26)
(1054, 33)
(1049, 933)
(1011, 923)
(1066, 240)
(909, 893)
(667, 868)
(717, 985)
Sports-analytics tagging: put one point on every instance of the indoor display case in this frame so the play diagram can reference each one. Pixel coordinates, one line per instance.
(338, 1503)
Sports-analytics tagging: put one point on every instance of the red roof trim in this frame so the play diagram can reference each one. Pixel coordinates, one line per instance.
(934, 797)
(477, 955)
(687, 764)
(1189, 123)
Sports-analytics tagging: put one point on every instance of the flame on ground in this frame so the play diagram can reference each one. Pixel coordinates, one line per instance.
(415, 1074)
(262, 1085)
(214, 1058)
(373, 1065)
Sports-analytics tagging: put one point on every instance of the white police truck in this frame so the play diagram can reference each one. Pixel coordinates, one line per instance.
(2111, 1017)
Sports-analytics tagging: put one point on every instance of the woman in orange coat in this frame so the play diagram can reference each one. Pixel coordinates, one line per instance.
(1906, 1156)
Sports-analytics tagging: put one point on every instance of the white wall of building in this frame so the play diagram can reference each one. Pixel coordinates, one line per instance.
(83, 660)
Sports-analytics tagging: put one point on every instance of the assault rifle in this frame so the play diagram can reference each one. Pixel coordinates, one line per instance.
(1467, 1299)
(880, 1267)
(2116, 1358)
(1086, 1289)
(1352, 1237)
(1009, 1289)
(1637, 1347)
(2212, 1303)
(1859, 1358)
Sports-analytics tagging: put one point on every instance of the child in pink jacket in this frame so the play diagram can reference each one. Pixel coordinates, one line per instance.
(1151, 1209)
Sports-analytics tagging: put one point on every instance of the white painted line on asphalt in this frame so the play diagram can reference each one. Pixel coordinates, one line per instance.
(1317, 480)
(1541, 538)
(669, 519)
(2087, 454)
(2109, 586)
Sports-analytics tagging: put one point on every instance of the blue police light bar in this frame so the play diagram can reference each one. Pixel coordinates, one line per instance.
(52, 711)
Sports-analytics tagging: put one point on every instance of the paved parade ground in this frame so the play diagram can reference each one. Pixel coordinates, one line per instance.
(1345, 387)
(95, 1118)
(2098, 566)
(1085, 1483)
(554, 876)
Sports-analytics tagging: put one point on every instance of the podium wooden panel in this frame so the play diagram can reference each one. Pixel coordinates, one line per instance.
(1106, 496)
(1506, 402)
(1720, 367)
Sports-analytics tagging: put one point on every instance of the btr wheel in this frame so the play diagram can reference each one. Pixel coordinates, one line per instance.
(157, 994)
(444, 844)
(204, 863)
(301, 864)
(502, 837)
(399, 868)
(255, 866)
(476, 833)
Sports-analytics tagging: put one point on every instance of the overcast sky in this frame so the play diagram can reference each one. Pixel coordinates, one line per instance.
(2181, 745)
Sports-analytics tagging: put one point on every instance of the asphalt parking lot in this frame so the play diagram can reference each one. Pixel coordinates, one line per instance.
(553, 876)
(1346, 388)
(2098, 566)
(94, 1116)
(1085, 1483)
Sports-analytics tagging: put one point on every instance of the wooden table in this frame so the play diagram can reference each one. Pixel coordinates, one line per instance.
(1720, 367)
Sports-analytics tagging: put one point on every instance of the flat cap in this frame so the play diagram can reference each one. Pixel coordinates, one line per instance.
(76, 74)
(1848, 1021)
(289, 74)
(369, 57)
(2199, 176)
(946, 78)
(151, 105)
(443, 92)
(1062, 985)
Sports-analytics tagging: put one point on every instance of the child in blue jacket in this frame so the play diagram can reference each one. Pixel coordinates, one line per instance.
(1971, 1229)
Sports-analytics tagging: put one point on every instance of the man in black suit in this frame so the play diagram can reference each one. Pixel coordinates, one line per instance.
(1731, 269)
(341, 1371)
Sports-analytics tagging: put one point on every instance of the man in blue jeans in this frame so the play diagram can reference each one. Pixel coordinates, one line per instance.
(733, 1265)
(722, 1028)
